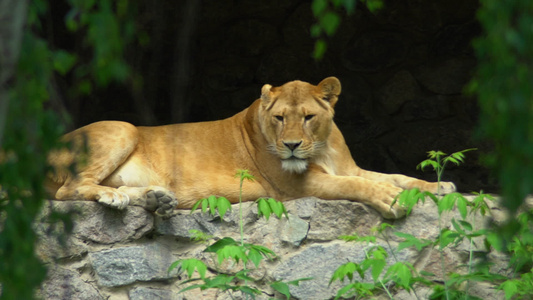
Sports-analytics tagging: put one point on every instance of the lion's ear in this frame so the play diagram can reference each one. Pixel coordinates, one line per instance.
(330, 89)
(266, 94)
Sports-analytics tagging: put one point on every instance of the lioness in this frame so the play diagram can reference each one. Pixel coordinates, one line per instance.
(287, 139)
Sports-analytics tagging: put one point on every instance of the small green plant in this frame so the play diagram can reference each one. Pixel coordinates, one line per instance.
(402, 274)
(455, 285)
(227, 249)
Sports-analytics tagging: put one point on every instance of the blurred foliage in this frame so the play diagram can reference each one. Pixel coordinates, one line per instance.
(107, 27)
(328, 19)
(504, 86)
(31, 131)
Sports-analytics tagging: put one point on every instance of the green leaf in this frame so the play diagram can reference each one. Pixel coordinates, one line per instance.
(232, 251)
(63, 61)
(346, 270)
(255, 257)
(212, 204)
(447, 237)
(377, 267)
(356, 238)
(374, 5)
(412, 241)
(70, 19)
(223, 206)
(173, 265)
(319, 6)
(362, 289)
(401, 274)
(190, 265)
(199, 236)
(426, 273)
(220, 281)
(263, 209)
(227, 241)
(447, 202)
(281, 288)
(315, 30)
(410, 198)
(278, 208)
(330, 22)
(264, 251)
(428, 162)
(462, 204)
(205, 205)
(382, 227)
(192, 287)
(466, 225)
(296, 282)
(349, 5)
(248, 290)
(458, 227)
(510, 288)
(320, 49)
(243, 275)
(196, 205)
(244, 174)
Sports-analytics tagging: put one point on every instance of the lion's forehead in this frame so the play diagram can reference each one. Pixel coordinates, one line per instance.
(300, 105)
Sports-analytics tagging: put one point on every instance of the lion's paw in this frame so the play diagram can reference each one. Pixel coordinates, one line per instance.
(447, 188)
(162, 202)
(113, 199)
(385, 202)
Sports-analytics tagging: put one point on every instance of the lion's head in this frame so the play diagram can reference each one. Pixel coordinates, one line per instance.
(296, 120)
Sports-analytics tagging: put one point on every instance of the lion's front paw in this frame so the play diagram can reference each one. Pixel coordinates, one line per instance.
(383, 203)
(162, 202)
(113, 199)
(447, 188)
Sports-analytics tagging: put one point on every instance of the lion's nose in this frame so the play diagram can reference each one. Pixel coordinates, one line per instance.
(292, 145)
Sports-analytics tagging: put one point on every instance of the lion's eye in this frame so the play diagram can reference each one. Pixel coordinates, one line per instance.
(279, 118)
(309, 117)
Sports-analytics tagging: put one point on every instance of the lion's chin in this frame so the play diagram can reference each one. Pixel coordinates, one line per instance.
(294, 165)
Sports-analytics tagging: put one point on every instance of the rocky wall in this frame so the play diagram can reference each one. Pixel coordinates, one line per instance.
(114, 255)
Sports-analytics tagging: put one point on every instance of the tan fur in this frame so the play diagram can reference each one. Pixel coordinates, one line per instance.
(287, 139)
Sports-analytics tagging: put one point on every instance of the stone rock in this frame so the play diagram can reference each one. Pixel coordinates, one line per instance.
(332, 218)
(276, 233)
(96, 223)
(67, 284)
(143, 293)
(180, 224)
(54, 243)
(125, 265)
(422, 222)
(294, 230)
(319, 261)
(302, 207)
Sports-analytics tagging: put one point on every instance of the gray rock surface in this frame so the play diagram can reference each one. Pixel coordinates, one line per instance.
(68, 284)
(125, 265)
(135, 265)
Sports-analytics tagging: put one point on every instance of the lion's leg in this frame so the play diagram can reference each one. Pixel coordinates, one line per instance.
(379, 195)
(152, 198)
(406, 182)
(109, 145)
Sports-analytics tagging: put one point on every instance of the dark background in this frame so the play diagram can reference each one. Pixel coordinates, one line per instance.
(403, 70)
